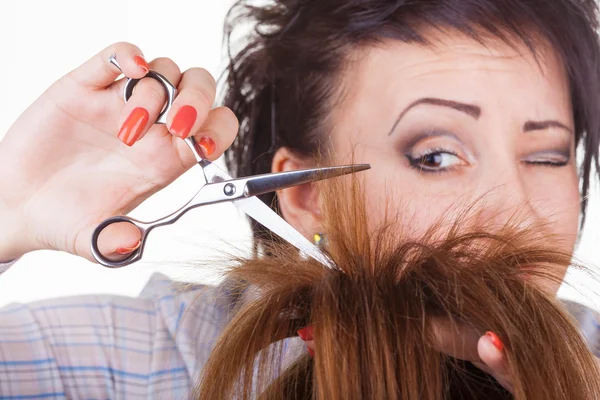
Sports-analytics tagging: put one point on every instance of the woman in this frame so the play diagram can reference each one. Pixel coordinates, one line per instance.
(450, 101)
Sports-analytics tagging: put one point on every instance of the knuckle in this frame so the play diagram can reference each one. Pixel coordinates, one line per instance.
(121, 44)
(202, 95)
(230, 121)
(209, 78)
(152, 90)
(166, 66)
(119, 47)
(229, 114)
(203, 78)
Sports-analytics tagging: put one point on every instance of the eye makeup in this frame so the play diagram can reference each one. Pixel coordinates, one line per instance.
(407, 144)
(553, 158)
(435, 151)
(435, 160)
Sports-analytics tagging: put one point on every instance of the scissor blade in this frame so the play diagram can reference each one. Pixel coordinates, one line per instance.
(272, 182)
(263, 214)
(212, 173)
(260, 212)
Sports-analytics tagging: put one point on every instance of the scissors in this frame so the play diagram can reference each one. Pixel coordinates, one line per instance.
(221, 187)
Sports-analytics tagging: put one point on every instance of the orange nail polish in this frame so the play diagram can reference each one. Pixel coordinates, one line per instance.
(127, 250)
(183, 121)
(495, 340)
(141, 63)
(133, 126)
(208, 146)
(306, 333)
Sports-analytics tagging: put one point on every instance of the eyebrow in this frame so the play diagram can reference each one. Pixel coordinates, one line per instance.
(475, 112)
(531, 126)
(469, 109)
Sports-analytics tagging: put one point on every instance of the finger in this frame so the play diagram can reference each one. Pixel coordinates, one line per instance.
(197, 91)
(118, 240)
(147, 101)
(491, 352)
(214, 136)
(310, 347)
(493, 359)
(98, 72)
(307, 335)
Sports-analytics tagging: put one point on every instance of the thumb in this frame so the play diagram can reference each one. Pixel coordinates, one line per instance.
(98, 72)
(493, 359)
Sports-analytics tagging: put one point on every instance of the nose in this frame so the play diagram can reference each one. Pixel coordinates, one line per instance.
(503, 199)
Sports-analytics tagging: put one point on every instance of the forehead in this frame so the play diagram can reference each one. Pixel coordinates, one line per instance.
(460, 68)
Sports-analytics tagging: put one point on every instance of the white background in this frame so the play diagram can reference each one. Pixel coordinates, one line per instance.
(42, 40)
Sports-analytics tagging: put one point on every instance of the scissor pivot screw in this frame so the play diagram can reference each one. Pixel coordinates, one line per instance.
(229, 189)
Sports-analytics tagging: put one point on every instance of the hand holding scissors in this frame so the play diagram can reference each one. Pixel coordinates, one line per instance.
(221, 187)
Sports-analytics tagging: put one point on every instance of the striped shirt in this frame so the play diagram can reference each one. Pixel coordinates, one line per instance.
(110, 347)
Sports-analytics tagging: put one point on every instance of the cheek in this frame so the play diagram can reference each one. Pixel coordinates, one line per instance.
(555, 199)
(559, 204)
(393, 191)
(417, 208)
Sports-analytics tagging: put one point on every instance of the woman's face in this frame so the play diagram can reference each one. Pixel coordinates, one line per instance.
(447, 126)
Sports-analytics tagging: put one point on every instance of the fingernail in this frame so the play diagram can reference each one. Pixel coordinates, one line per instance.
(133, 126)
(306, 333)
(208, 145)
(183, 121)
(495, 340)
(141, 62)
(127, 250)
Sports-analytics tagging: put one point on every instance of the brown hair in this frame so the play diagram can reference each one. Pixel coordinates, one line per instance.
(283, 79)
(374, 316)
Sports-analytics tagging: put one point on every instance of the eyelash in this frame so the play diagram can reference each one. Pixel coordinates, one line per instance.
(554, 164)
(414, 162)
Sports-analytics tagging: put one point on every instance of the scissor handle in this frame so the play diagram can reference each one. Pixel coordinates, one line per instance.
(144, 228)
(136, 255)
(171, 92)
